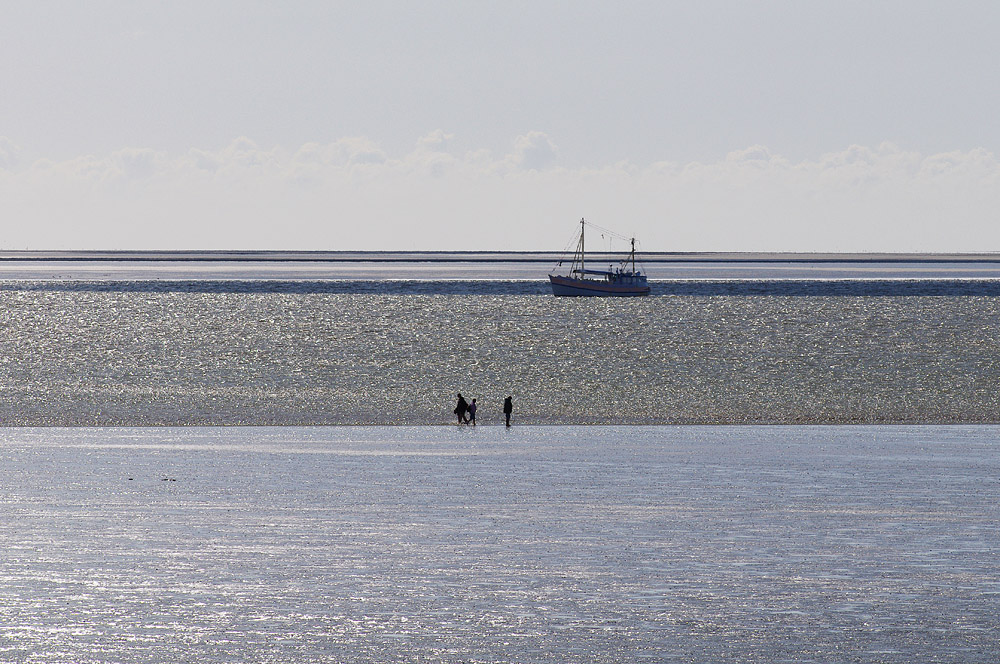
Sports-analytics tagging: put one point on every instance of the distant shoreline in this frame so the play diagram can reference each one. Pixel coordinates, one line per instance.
(304, 266)
(270, 256)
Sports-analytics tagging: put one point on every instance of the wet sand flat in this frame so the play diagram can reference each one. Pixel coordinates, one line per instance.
(535, 544)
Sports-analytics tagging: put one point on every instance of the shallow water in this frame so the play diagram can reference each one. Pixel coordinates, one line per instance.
(535, 544)
(86, 357)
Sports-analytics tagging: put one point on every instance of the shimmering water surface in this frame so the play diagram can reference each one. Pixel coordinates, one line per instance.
(534, 544)
(114, 355)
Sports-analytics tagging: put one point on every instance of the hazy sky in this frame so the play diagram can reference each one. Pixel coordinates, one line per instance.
(785, 125)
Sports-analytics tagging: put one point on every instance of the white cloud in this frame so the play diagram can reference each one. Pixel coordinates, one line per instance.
(351, 194)
(435, 141)
(9, 154)
(534, 151)
(136, 163)
(755, 155)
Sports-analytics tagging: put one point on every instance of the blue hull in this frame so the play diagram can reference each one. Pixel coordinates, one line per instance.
(569, 287)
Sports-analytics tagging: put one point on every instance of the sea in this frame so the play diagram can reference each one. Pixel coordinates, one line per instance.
(389, 339)
(246, 457)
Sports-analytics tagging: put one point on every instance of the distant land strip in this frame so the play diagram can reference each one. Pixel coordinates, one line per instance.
(268, 256)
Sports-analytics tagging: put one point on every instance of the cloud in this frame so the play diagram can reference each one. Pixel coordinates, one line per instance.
(352, 194)
(136, 162)
(534, 151)
(435, 141)
(755, 155)
(9, 154)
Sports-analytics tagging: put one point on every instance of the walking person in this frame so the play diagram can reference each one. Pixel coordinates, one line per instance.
(508, 408)
(472, 413)
(461, 409)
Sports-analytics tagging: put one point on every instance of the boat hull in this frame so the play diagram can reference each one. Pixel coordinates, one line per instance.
(570, 287)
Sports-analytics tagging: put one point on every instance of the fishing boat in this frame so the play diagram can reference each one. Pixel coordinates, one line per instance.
(624, 281)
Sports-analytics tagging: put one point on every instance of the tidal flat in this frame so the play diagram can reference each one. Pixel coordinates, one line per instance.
(533, 544)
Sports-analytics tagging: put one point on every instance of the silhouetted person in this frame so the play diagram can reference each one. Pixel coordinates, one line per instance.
(508, 408)
(461, 409)
(472, 413)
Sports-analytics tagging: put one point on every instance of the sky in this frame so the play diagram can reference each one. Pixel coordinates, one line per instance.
(472, 125)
